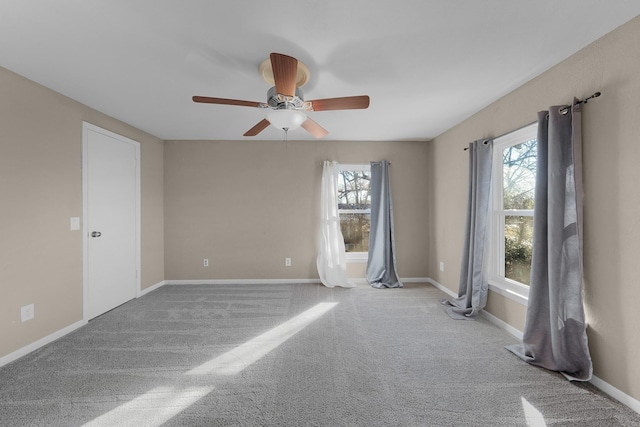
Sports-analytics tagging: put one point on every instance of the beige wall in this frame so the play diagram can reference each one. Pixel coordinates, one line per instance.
(40, 189)
(246, 205)
(611, 127)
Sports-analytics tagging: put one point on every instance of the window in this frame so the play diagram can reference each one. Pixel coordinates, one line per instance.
(354, 207)
(513, 188)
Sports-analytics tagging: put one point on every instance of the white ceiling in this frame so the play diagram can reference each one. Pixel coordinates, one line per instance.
(426, 64)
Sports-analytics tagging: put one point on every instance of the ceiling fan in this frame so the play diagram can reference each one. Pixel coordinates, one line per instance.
(286, 107)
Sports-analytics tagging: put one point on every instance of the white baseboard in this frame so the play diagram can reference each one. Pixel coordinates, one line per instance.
(607, 388)
(240, 281)
(618, 395)
(490, 317)
(60, 333)
(356, 280)
(41, 342)
(441, 287)
(151, 288)
(501, 324)
(415, 280)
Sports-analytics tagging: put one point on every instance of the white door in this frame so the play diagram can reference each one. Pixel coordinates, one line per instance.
(111, 220)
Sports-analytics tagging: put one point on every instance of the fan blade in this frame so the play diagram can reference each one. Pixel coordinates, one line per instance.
(314, 129)
(262, 125)
(345, 103)
(225, 101)
(285, 70)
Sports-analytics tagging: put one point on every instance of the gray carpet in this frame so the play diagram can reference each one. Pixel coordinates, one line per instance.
(263, 355)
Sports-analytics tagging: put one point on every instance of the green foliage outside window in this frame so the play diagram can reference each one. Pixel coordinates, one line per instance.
(519, 168)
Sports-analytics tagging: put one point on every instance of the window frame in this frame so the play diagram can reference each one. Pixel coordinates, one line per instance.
(495, 272)
(355, 257)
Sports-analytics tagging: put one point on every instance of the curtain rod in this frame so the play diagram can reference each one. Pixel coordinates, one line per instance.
(563, 110)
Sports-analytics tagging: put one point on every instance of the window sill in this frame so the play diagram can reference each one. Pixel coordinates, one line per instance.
(508, 291)
(357, 257)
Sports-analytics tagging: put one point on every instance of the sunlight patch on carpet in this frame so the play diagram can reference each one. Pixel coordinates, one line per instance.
(533, 417)
(236, 360)
(154, 408)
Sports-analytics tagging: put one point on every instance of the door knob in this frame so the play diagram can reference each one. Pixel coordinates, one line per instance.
(96, 234)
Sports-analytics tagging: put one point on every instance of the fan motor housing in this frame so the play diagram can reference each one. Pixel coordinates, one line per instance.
(281, 102)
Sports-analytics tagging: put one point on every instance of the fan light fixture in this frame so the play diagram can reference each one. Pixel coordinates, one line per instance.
(286, 119)
(286, 107)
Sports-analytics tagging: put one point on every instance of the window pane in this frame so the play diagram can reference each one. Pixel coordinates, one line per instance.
(353, 190)
(518, 237)
(519, 175)
(355, 230)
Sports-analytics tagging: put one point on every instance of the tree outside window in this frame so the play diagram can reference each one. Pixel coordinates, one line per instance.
(511, 235)
(354, 206)
(519, 174)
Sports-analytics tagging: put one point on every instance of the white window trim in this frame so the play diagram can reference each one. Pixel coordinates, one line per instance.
(356, 257)
(355, 167)
(495, 268)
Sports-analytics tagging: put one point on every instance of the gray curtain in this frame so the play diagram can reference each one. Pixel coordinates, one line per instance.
(472, 289)
(381, 263)
(555, 335)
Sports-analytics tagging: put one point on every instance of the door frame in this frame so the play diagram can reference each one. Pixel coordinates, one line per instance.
(86, 127)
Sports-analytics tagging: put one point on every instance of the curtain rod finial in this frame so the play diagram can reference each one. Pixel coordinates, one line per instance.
(595, 95)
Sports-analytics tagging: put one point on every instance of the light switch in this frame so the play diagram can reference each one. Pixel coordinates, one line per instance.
(75, 223)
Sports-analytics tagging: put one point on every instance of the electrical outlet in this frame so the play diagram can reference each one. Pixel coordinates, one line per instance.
(441, 266)
(287, 262)
(27, 312)
(205, 262)
(74, 223)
